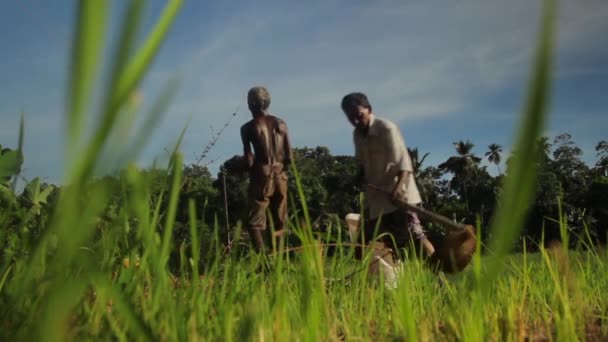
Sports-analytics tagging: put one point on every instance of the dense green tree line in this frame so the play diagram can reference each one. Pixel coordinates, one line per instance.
(460, 188)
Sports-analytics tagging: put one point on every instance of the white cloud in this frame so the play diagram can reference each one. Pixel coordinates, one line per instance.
(416, 60)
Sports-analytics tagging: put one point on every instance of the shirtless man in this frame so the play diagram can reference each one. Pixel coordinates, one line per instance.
(267, 178)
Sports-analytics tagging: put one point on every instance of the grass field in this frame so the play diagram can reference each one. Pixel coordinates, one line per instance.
(79, 281)
(549, 295)
(543, 296)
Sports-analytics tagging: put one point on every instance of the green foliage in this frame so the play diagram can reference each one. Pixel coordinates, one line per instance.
(10, 164)
(234, 178)
(340, 180)
(602, 158)
(597, 202)
(63, 257)
(313, 165)
(197, 186)
(36, 194)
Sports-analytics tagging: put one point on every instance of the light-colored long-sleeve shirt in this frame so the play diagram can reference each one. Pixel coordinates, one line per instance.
(383, 154)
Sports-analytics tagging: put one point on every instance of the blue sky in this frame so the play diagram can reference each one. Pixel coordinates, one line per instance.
(443, 71)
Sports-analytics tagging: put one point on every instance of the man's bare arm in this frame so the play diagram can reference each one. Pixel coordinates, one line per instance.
(246, 146)
(401, 177)
(288, 157)
(287, 147)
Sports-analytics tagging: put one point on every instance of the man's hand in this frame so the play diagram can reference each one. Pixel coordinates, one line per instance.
(398, 193)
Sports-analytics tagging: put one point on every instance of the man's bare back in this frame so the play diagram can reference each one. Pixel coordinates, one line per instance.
(268, 136)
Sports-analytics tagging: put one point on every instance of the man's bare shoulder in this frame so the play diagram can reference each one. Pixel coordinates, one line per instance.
(278, 119)
(281, 124)
(246, 126)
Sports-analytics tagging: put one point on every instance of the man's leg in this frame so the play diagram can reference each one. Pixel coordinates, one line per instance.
(278, 207)
(259, 202)
(415, 228)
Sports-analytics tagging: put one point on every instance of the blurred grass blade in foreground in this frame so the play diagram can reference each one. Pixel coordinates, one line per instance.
(519, 186)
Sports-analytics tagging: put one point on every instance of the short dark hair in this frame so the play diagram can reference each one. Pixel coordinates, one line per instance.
(353, 100)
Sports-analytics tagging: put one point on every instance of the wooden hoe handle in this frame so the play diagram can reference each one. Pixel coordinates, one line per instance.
(424, 213)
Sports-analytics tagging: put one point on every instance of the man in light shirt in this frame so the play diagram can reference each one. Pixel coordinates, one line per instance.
(387, 167)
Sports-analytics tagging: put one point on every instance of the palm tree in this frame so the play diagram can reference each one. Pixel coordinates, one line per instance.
(602, 157)
(416, 160)
(544, 147)
(461, 164)
(494, 155)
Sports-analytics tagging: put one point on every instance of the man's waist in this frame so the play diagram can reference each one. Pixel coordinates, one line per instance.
(383, 184)
(267, 164)
(267, 168)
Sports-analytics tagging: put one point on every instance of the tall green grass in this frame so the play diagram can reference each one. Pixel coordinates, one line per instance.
(86, 282)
